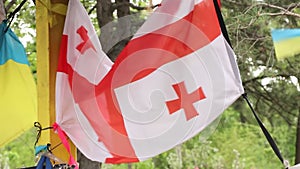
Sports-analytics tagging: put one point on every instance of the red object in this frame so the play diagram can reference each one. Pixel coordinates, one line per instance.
(63, 137)
(185, 101)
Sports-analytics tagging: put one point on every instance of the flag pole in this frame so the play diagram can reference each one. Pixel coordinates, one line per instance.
(221, 22)
(266, 133)
(49, 27)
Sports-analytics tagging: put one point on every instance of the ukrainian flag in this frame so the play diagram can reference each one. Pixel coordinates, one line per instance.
(286, 42)
(18, 98)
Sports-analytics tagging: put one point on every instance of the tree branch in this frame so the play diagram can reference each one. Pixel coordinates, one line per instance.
(115, 6)
(293, 6)
(269, 101)
(139, 8)
(284, 11)
(280, 13)
(9, 5)
(264, 76)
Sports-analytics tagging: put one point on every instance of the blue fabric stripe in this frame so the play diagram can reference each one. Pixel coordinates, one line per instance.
(283, 34)
(11, 47)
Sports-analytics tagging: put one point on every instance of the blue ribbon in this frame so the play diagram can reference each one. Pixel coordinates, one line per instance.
(42, 161)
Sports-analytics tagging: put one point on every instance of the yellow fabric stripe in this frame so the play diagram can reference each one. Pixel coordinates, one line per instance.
(18, 100)
(286, 48)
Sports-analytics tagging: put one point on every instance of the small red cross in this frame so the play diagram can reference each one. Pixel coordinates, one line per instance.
(185, 101)
(87, 43)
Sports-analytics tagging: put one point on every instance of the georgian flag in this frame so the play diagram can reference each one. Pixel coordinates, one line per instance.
(174, 78)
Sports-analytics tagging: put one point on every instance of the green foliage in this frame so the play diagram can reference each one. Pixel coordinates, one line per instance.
(20, 152)
(272, 84)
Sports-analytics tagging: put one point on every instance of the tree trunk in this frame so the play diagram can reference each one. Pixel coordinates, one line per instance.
(123, 28)
(112, 33)
(123, 8)
(104, 12)
(105, 18)
(297, 158)
(2, 11)
(86, 163)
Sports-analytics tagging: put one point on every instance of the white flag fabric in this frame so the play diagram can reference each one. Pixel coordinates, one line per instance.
(295, 167)
(174, 78)
(81, 55)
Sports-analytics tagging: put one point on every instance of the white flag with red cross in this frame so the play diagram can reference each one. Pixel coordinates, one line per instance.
(175, 77)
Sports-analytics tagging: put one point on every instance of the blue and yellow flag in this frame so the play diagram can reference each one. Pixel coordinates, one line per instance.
(286, 42)
(18, 98)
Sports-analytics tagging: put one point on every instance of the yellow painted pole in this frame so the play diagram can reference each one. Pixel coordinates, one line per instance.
(43, 67)
(49, 27)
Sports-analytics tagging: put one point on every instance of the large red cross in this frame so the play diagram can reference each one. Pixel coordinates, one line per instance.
(87, 43)
(185, 101)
